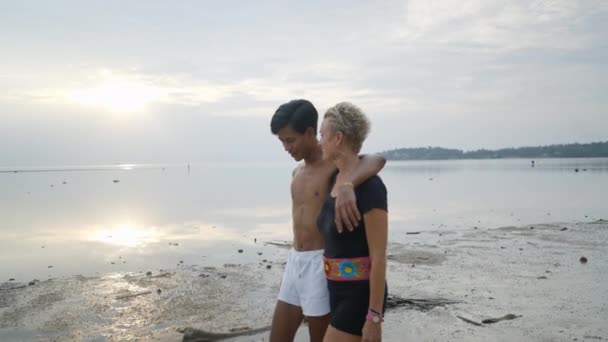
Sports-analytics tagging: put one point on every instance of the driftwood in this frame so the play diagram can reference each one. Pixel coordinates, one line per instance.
(163, 275)
(503, 318)
(470, 321)
(489, 320)
(131, 295)
(421, 304)
(13, 288)
(197, 335)
(279, 244)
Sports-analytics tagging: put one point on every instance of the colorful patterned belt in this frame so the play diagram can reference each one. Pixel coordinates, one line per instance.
(347, 269)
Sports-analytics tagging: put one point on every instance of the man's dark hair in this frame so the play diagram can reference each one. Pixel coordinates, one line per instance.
(296, 114)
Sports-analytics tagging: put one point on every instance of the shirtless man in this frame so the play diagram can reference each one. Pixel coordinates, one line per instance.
(303, 290)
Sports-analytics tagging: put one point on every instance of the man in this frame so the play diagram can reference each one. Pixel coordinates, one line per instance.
(303, 290)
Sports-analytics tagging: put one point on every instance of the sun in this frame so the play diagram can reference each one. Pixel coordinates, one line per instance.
(118, 94)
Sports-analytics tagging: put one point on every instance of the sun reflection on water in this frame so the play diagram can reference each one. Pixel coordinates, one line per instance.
(125, 235)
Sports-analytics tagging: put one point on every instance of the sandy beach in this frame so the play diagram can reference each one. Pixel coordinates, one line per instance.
(533, 272)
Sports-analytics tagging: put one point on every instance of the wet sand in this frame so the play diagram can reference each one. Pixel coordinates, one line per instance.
(533, 272)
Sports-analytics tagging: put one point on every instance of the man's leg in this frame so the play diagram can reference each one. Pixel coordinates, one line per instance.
(285, 322)
(315, 295)
(317, 327)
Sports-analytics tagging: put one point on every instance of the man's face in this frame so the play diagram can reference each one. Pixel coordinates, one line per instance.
(296, 144)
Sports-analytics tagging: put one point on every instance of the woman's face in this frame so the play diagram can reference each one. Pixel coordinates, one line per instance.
(328, 140)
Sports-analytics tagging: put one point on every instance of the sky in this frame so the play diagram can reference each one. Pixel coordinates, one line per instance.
(97, 82)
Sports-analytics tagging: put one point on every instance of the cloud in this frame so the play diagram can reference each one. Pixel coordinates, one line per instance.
(501, 26)
(463, 74)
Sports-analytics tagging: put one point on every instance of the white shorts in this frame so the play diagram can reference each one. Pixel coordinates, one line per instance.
(304, 283)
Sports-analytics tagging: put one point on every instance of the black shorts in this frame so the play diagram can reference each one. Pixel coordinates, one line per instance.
(349, 303)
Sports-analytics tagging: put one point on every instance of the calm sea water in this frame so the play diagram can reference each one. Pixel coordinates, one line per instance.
(61, 221)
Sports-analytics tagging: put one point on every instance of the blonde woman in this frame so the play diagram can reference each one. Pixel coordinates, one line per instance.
(355, 261)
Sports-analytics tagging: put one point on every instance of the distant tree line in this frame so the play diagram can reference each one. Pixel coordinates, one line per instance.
(592, 150)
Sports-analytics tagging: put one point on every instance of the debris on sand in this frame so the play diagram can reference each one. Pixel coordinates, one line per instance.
(420, 304)
(162, 275)
(197, 335)
(489, 320)
(282, 244)
(131, 295)
(470, 321)
(11, 286)
(503, 318)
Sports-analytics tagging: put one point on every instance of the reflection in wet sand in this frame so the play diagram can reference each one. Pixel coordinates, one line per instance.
(125, 235)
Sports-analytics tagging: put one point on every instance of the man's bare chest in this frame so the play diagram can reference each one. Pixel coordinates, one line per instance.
(310, 186)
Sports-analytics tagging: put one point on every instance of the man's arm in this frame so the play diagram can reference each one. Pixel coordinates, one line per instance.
(347, 213)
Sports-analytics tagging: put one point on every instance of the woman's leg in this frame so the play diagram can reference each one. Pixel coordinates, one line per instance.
(335, 335)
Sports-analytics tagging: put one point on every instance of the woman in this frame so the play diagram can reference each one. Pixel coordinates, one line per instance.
(355, 262)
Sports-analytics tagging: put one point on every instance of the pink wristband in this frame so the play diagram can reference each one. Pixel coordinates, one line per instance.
(373, 317)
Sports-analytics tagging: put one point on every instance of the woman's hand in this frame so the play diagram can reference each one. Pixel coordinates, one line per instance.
(372, 332)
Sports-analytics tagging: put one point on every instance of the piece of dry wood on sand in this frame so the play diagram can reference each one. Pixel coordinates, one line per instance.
(489, 320)
(421, 304)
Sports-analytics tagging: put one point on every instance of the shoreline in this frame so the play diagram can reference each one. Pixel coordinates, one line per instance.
(530, 271)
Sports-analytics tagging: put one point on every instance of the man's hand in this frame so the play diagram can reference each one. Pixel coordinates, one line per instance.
(347, 213)
(372, 332)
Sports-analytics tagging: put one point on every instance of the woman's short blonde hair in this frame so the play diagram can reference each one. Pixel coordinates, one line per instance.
(351, 121)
